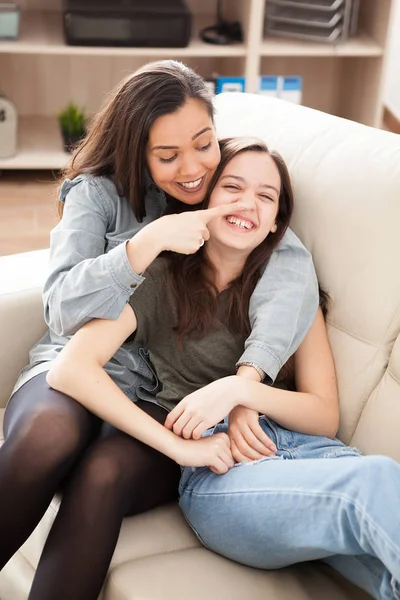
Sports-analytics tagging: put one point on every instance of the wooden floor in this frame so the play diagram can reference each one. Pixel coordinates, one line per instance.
(28, 210)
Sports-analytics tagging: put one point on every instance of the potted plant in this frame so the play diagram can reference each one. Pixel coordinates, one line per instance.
(72, 124)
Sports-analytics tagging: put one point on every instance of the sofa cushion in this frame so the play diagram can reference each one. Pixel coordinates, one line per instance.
(198, 573)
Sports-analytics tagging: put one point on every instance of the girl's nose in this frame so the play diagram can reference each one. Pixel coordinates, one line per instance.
(248, 200)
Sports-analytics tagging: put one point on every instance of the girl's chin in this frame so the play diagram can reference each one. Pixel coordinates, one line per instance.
(237, 246)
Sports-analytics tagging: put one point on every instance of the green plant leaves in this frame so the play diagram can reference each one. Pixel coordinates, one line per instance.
(72, 120)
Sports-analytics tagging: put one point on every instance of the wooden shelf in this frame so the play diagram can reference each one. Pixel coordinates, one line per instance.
(40, 73)
(361, 45)
(41, 33)
(39, 145)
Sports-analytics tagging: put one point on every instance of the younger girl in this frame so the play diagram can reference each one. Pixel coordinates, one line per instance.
(192, 317)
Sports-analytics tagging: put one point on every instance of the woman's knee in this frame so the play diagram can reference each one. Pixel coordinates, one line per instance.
(43, 432)
(113, 468)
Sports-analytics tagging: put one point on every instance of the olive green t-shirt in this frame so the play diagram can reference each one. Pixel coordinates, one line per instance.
(185, 366)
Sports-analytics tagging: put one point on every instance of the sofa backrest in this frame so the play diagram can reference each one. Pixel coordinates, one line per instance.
(346, 180)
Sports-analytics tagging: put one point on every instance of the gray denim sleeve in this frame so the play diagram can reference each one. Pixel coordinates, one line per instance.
(282, 308)
(83, 282)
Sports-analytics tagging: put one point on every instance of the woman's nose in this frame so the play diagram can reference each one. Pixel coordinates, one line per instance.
(190, 167)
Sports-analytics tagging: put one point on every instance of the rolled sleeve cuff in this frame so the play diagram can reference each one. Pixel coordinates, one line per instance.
(264, 358)
(120, 268)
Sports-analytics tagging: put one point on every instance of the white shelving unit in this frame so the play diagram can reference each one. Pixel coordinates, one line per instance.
(41, 74)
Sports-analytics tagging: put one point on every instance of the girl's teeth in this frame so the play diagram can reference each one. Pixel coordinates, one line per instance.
(239, 223)
(192, 184)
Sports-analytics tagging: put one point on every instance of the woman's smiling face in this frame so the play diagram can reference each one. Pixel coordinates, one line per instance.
(183, 153)
(253, 178)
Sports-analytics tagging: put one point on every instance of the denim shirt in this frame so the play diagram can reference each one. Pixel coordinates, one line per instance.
(90, 277)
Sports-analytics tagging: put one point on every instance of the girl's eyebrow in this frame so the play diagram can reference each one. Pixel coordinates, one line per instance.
(263, 185)
(196, 135)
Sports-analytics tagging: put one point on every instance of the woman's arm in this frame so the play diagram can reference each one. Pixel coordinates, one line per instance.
(282, 307)
(78, 372)
(84, 282)
(312, 409)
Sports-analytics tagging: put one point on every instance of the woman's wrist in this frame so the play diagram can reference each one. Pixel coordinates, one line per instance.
(143, 248)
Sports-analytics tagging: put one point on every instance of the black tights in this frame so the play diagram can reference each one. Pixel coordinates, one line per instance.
(52, 443)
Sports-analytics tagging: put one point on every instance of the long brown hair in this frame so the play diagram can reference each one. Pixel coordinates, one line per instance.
(195, 294)
(115, 145)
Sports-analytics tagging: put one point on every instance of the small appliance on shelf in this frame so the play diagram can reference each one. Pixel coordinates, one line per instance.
(8, 127)
(329, 21)
(146, 23)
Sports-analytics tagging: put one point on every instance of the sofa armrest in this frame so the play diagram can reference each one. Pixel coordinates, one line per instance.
(21, 313)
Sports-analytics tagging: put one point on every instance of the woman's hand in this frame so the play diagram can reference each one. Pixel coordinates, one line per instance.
(212, 451)
(204, 408)
(185, 232)
(248, 440)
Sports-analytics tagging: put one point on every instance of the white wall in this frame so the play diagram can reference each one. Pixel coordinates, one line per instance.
(391, 93)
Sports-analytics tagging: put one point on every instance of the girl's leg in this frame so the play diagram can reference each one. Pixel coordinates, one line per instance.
(368, 573)
(45, 432)
(118, 476)
(276, 512)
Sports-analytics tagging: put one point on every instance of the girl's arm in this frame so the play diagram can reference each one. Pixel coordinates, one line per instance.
(78, 372)
(312, 409)
(282, 307)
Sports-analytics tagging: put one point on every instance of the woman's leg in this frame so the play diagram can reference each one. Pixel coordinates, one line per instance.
(118, 476)
(276, 512)
(45, 432)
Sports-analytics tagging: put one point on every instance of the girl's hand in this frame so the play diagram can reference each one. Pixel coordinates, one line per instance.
(185, 232)
(204, 408)
(212, 451)
(248, 440)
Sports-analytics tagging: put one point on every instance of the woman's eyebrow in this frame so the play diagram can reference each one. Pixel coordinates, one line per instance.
(196, 135)
(263, 185)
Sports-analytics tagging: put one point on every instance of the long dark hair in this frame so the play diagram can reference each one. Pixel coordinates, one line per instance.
(115, 145)
(195, 293)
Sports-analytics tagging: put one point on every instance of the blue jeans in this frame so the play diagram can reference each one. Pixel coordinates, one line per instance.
(316, 499)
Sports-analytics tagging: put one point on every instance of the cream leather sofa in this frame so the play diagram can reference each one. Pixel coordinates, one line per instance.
(347, 188)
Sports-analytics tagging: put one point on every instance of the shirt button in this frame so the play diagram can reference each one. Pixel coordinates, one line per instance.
(133, 285)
